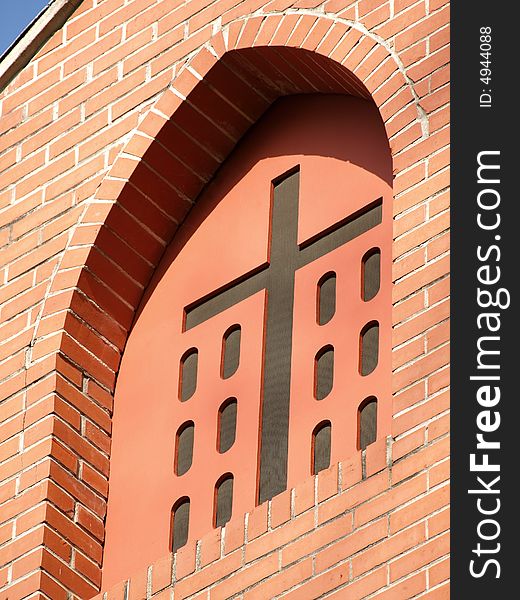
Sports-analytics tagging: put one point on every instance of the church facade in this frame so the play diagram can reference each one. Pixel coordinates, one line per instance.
(224, 310)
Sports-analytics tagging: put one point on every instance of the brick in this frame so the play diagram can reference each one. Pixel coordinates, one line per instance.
(107, 136)
(409, 397)
(346, 45)
(217, 570)
(245, 578)
(404, 138)
(280, 509)
(420, 30)
(139, 95)
(439, 572)
(375, 457)
(440, 593)
(437, 162)
(353, 497)
(364, 586)
(438, 427)
(58, 91)
(409, 588)
(10, 121)
(422, 149)
(317, 586)
(396, 496)
(328, 483)
(257, 522)
(151, 50)
(38, 217)
(319, 538)
(407, 444)
(420, 557)
(387, 549)
(439, 523)
(80, 133)
(97, 436)
(281, 581)
(401, 21)
(408, 178)
(414, 54)
(421, 413)
(407, 353)
(90, 522)
(22, 168)
(30, 91)
(439, 380)
(59, 570)
(351, 545)
(27, 586)
(438, 335)
(84, 19)
(87, 568)
(304, 496)
(440, 118)
(7, 160)
(421, 323)
(162, 573)
(180, 50)
(234, 534)
(185, 559)
(415, 463)
(137, 585)
(440, 38)
(351, 471)
(275, 539)
(210, 547)
(423, 277)
(90, 53)
(109, 93)
(439, 291)
(431, 186)
(376, 17)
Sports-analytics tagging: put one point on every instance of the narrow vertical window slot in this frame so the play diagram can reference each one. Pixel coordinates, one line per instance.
(188, 374)
(369, 348)
(367, 422)
(321, 441)
(326, 298)
(370, 274)
(184, 447)
(223, 500)
(323, 372)
(227, 422)
(230, 351)
(180, 523)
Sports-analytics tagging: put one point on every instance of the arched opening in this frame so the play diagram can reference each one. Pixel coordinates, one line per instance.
(356, 219)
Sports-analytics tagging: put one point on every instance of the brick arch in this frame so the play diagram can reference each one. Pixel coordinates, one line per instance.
(189, 131)
(221, 91)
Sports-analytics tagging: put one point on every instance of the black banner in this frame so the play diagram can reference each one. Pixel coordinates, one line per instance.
(484, 397)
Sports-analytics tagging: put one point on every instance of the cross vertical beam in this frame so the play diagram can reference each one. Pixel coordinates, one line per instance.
(278, 338)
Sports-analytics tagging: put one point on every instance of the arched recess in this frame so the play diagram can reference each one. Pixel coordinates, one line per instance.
(179, 145)
(220, 91)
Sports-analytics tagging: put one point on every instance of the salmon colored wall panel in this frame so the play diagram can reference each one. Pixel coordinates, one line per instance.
(228, 237)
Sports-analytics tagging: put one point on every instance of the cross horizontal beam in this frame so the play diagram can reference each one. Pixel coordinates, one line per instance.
(253, 282)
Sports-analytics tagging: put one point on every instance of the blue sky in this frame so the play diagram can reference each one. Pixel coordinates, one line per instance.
(15, 16)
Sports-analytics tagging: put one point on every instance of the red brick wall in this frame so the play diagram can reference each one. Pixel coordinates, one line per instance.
(81, 231)
(362, 527)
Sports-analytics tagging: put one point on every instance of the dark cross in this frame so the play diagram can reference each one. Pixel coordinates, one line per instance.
(277, 277)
